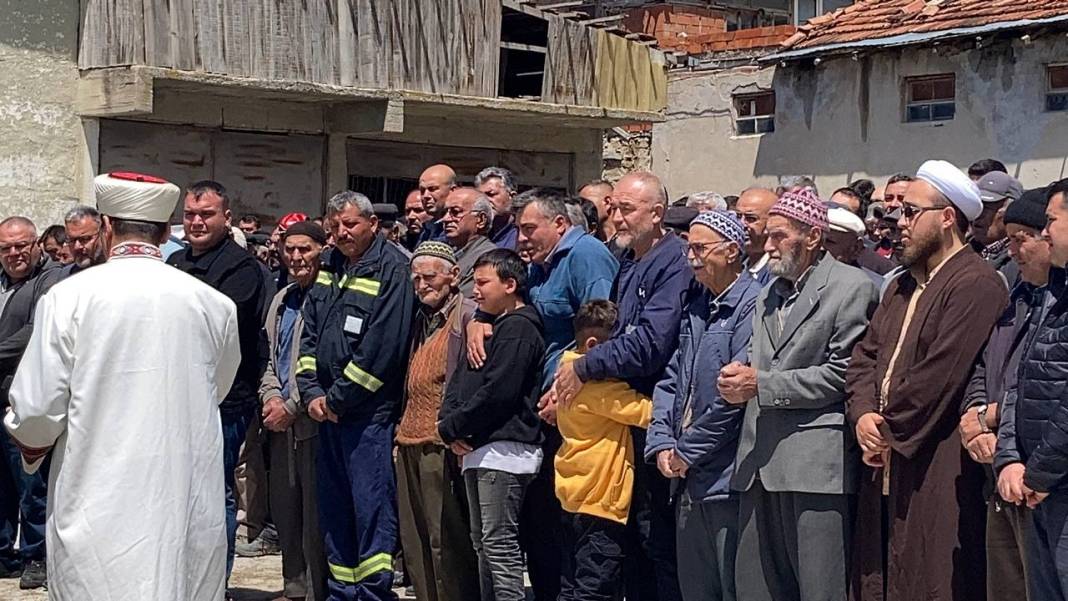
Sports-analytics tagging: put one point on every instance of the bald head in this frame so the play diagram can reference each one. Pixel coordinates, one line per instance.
(19, 251)
(752, 208)
(468, 213)
(435, 183)
(20, 223)
(638, 203)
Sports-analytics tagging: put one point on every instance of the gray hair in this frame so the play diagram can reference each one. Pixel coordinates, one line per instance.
(575, 215)
(793, 183)
(82, 212)
(19, 220)
(483, 206)
(507, 177)
(551, 203)
(712, 200)
(339, 201)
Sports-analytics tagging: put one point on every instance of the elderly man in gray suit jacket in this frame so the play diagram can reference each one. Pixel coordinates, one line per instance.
(797, 463)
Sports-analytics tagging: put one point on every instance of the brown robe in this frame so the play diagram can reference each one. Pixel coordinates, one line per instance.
(935, 511)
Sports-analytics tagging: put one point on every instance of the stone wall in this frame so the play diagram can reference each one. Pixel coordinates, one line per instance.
(626, 150)
(42, 142)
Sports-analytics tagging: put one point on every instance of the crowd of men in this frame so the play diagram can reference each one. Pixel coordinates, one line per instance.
(768, 396)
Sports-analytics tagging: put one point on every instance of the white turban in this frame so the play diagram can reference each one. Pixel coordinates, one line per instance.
(135, 196)
(954, 185)
(842, 219)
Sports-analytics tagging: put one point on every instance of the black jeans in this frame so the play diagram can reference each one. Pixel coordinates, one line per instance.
(650, 572)
(592, 558)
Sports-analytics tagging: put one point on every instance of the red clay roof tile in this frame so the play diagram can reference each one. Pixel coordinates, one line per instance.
(874, 19)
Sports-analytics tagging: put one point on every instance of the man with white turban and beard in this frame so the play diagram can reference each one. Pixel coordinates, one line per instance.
(906, 384)
(122, 380)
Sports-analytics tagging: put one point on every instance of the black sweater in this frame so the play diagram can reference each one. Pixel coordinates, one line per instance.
(499, 401)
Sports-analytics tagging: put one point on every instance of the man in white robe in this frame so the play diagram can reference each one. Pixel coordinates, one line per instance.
(122, 378)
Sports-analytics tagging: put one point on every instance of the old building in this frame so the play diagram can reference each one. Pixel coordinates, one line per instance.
(286, 102)
(871, 89)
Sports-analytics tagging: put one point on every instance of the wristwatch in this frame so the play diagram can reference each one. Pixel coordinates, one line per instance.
(981, 416)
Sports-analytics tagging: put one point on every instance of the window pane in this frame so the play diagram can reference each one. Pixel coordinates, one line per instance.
(943, 111)
(745, 107)
(943, 89)
(765, 125)
(831, 5)
(920, 91)
(1058, 78)
(746, 126)
(1057, 102)
(765, 104)
(919, 112)
(806, 9)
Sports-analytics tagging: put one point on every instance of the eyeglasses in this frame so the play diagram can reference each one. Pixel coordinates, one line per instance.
(16, 246)
(1022, 238)
(457, 212)
(700, 249)
(82, 240)
(911, 212)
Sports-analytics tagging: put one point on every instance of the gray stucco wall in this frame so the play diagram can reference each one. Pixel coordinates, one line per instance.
(41, 139)
(843, 119)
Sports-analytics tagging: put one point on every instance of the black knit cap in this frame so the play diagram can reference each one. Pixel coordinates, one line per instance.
(307, 228)
(1029, 210)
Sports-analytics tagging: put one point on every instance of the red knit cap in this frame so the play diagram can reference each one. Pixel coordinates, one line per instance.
(803, 206)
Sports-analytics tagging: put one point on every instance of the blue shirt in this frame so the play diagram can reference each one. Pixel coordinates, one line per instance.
(505, 237)
(290, 311)
(650, 294)
(578, 270)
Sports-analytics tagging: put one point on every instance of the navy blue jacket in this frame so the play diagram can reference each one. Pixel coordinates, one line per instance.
(713, 334)
(355, 343)
(650, 294)
(1042, 394)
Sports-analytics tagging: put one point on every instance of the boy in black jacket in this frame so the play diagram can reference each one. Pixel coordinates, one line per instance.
(489, 418)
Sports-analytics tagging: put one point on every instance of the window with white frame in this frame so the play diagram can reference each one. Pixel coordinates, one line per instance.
(930, 98)
(755, 113)
(1057, 88)
(807, 9)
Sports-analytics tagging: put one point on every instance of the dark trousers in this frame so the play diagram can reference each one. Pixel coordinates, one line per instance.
(539, 526)
(496, 499)
(792, 546)
(707, 540)
(592, 555)
(23, 498)
(234, 429)
(1047, 549)
(1006, 531)
(649, 571)
(357, 508)
(434, 520)
(252, 479)
(292, 487)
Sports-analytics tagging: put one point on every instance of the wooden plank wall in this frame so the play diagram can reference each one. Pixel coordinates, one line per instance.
(627, 77)
(435, 46)
(570, 63)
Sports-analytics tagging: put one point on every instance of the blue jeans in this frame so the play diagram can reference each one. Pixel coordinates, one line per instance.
(1047, 549)
(234, 429)
(495, 499)
(23, 498)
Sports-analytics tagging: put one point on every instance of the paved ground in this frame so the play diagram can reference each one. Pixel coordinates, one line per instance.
(257, 579)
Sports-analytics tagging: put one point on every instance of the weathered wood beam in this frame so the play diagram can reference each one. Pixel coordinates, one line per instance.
(524, 47)
(607, 19)
(114, 93)
(377, 116)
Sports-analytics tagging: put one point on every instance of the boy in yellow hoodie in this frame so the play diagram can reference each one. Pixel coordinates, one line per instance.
(595, 468)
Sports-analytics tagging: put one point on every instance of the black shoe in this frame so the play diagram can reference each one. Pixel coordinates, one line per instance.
(34, 575)
(6, 572)
(257, 548)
